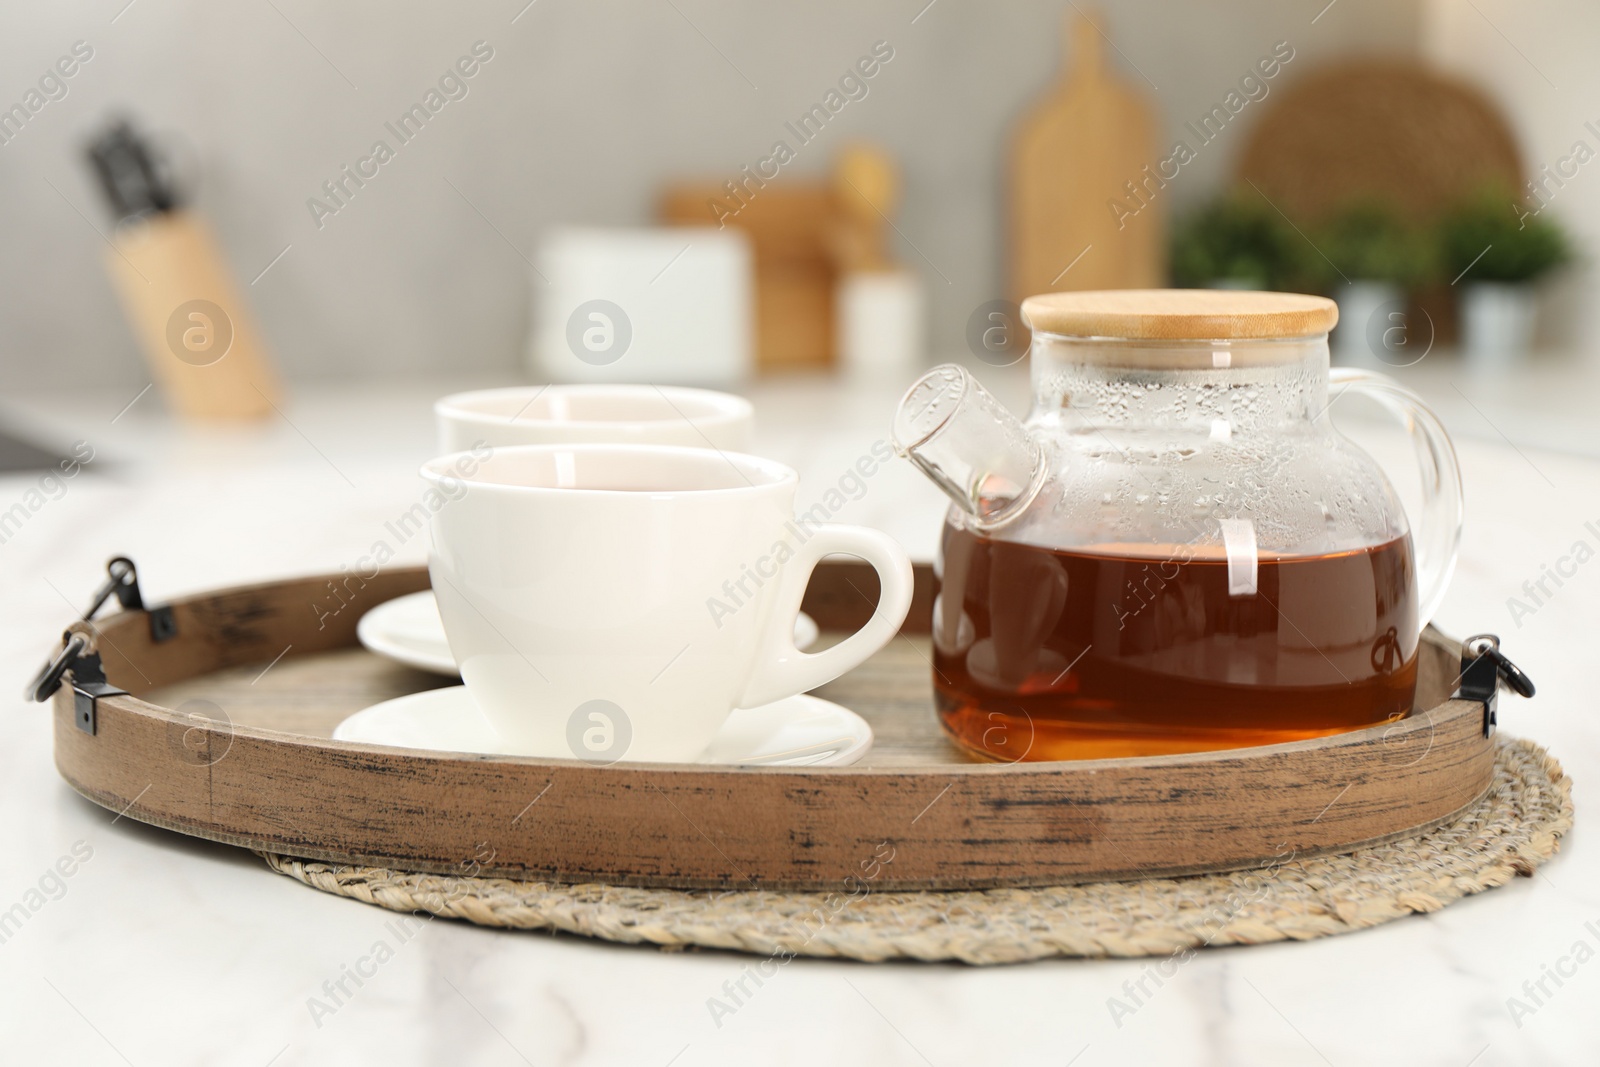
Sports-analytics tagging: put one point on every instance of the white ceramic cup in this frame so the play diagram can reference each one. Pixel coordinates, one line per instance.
(614, 602)
(593, 414)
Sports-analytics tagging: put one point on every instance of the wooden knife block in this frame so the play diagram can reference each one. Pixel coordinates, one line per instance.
(173, 282)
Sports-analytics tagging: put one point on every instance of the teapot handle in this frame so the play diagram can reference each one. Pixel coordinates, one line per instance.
(1438, 540)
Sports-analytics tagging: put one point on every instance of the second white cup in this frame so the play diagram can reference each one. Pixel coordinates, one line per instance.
(593, 414)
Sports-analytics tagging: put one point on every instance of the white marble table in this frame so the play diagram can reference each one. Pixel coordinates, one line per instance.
(163, 950)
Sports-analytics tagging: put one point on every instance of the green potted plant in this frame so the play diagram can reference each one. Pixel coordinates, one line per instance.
(1496, 250)
(1368, 258)
(1236, 242)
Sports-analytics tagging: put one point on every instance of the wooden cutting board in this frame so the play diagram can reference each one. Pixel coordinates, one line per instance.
(1073, 153)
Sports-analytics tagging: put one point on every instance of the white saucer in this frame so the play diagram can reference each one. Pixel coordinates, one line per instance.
(408, 629)
(800, 731)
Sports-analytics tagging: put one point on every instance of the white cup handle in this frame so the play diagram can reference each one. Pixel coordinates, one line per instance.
(783, 670)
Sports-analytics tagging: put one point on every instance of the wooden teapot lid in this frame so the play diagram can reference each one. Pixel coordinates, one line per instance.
(1180, 314)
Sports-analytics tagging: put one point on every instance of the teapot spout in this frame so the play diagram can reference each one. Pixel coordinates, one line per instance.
(969, 445)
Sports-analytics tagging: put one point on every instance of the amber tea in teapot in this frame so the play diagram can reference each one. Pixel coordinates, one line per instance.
(1176, 552)
(1172, 662)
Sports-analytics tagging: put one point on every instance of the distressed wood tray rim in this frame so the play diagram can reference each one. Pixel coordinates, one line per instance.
(780, 827)
(1398, 732)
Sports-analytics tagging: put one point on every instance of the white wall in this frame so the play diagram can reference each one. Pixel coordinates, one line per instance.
(585, 109)
(1538, 62)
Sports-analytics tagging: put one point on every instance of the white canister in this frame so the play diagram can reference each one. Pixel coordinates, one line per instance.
(880, 324)
(664, 304)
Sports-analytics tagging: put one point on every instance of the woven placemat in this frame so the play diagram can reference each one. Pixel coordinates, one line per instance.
(1513, 829)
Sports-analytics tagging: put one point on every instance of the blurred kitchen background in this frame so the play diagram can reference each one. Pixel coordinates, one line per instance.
(1388, 143)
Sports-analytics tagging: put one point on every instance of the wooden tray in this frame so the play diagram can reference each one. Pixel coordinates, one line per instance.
(271, 779)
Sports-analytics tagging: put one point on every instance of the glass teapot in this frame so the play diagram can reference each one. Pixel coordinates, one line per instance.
(1176, 551)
